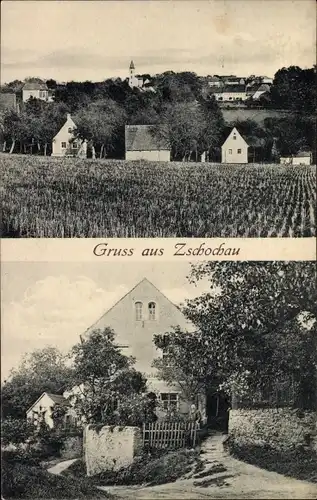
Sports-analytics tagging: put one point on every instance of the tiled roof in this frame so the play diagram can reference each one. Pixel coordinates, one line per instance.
(142, 138)
(35, 86)
(58, 399)
(302, 154)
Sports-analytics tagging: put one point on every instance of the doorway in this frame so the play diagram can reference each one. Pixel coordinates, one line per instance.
(217, 409)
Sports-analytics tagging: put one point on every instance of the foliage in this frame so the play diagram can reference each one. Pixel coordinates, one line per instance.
(84, 198)
(109, 389)
(15, 431)
(297, 464)
(185, 363)
(41, 370)
(294, 88)
(24, 480)
(157, 468)
(262, 308)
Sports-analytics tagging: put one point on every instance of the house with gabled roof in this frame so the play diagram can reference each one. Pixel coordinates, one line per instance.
(66, 144)
(235, 148)
(140, 314)
(37, 90)
(143, 143)
(42, 409)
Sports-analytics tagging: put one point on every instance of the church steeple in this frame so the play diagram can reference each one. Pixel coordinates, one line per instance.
(132, 65)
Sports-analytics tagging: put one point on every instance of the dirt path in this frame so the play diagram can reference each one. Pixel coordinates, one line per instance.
(61, 466)
(222, 477)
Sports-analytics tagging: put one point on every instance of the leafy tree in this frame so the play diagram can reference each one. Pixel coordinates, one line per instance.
(260, 309)
(108, 388)
(100, 124)
(185, 363)
(294, 88)
(41, 370)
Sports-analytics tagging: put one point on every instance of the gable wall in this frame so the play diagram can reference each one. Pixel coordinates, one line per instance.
(45, 403)
(234, 145)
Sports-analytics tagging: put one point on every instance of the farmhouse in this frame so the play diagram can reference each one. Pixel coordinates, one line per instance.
(143, 312)
(64, 142)
(142, 143)
(235, 148)
(36, 90)
(231, 93)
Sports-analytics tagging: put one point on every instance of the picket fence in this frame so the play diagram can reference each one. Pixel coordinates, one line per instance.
(171, 435)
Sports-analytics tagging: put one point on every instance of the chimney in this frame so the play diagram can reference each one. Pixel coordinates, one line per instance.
(68, 116)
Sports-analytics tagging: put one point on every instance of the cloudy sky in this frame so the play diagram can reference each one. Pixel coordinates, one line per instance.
(53, 303)
(95, 40)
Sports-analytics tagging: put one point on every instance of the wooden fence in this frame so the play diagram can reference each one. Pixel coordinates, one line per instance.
(170, 435)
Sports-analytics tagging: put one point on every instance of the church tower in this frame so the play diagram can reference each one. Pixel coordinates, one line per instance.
(131, 74)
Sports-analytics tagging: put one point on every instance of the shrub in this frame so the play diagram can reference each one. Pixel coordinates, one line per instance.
(15, 431)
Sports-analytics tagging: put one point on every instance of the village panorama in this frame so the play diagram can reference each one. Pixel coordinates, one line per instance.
(165, 155)
(159, 380)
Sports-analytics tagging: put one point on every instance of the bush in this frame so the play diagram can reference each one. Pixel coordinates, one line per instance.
(159, 467)
(21, 480)
(300, 464)
(15, 431)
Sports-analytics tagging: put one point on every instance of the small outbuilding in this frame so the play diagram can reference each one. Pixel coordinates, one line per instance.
(143, 143)
(301, 158)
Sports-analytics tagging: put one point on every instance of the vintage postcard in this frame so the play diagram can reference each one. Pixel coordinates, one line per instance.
(158, 251)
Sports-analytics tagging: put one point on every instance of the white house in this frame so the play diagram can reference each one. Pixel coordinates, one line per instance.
(262, 89)
(141, 143)
(302, 158)
(36, 90)
(231, 93)
(234, 149)
(64, 142)
(41, 410)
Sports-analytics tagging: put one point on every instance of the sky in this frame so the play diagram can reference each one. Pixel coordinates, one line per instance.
(95, 40)
(53, 303)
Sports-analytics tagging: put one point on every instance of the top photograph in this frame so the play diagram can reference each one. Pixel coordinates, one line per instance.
(158, 119)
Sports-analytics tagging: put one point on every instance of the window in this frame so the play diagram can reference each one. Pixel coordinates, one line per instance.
(64, 145)
(138, 311)
(239, 151)
(70, 130)
(152, 311)
(234, 137)
(230, 151)
(169, 401)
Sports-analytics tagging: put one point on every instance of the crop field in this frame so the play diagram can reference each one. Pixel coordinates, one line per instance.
(64, 198)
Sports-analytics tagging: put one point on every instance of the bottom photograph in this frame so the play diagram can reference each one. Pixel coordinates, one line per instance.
(159, 380)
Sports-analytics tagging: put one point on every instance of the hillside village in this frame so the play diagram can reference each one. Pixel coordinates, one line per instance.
(165, 117)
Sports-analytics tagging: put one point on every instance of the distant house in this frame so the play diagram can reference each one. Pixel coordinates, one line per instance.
(42, 409)
(64, 142)
(235, 148)
(302, 158)
(231, 93)
(262, 89)
(36, 90)
(215, 81)
(234, 80)
(141, 143)
(267, 80)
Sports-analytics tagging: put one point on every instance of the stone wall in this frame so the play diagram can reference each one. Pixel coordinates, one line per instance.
(110, 448)
(281, 428)
(72, 447)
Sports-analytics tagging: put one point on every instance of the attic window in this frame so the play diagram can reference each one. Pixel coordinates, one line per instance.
(138, 311)
(234, 137)
(70, 130)
(152, 311)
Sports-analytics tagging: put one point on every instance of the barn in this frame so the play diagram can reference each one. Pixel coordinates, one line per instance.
(143, 143)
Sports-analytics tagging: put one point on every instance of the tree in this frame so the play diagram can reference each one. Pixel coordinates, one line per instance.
(108, 389)
(41, 370)
(294, 88)
(100, 124)
(260, 308)
(185, 363)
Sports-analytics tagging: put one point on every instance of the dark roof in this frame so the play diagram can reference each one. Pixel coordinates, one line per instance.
(35, 86)
(233, 88)
(143, 138)
(58, 399)
(303, 154)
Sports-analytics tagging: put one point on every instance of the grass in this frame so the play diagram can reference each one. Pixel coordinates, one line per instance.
(299, 464)
(22, 480)
(160, 468)
(52, 197)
